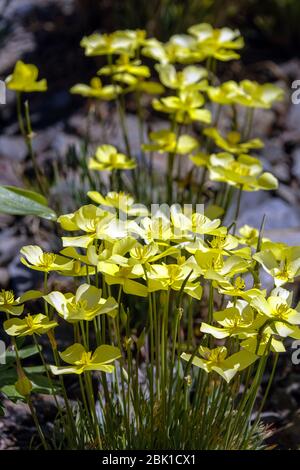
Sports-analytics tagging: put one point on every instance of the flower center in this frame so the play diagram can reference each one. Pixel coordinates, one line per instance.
(86, 358)
(47, 259)
(239, 169)
(282, 311)
(239, 283)
(6, 297)
(29, 321)
(78, 307)
(218, 242)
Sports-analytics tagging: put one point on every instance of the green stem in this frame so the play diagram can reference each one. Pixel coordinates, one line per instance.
(36, 422)
(28, 139)
(238, 206)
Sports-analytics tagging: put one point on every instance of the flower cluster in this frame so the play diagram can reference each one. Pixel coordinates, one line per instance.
(165, 288)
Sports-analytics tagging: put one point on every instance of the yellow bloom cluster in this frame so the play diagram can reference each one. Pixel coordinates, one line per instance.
(165, 252)
(169, 284)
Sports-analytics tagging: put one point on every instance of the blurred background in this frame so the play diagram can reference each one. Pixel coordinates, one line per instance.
(47, 33)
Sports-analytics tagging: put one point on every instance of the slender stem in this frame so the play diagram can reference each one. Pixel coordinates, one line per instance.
(238, 206)
(28, 139)
(36, 422)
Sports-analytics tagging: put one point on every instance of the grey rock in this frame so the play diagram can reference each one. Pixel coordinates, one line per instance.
(278, 214)
(63, 142)
(4, 278)
(282, 172)
(296, 163)
(10, 244)
(291, 68)
(263, 122)
(293, 117)
(13, 148)
(288, 194)
(289, 236)
(23, 279)
(20, 41)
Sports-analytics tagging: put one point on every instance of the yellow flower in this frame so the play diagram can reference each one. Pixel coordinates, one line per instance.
(226, 94)
(123, 65)
(216, 360)
(82, 361)
(166, 141)
(185, 107)
(219, 244)
(34, 258)
(245, 172)
(218, 43)
(200, 159)
(87, 219)
(235, 320)
(248, 235)
(86, 304)
(237, 288)
(246, 93)
(202, 225)
(120, 201)
(232, 142)
(173, 276)
(108, 158)
(24, 78)
(277, 311)
(190, 77)
(30, 325)
(178, 49)
(106, 44)
(123, 276)
(282, 263)
(14, 306)
(262, 343)
(255, 95)
(156, 229)
(96, 90)
(218, 268)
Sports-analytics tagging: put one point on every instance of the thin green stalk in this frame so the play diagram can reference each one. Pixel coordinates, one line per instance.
(29, 135)
(45, 293)
(238, 206)
(47, 373)
(91, 398)
(36, 422)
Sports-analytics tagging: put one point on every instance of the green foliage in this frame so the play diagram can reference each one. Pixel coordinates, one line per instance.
(18, 201)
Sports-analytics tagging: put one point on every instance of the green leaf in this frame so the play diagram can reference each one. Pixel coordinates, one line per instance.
(18, 201)
(23, 353)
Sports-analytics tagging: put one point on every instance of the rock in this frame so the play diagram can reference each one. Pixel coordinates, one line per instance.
(263, 122)
(10, 244)
(20, 42)
(44, 139)
(282, 172)
(63, 142)
(291, 68)
(278, 214)
(273, 151)
(290, 236)
(293, 117)
(9, 172)
(13, 148)
(296, 163)
(22, 278)
(288, 194)
(4, 278)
